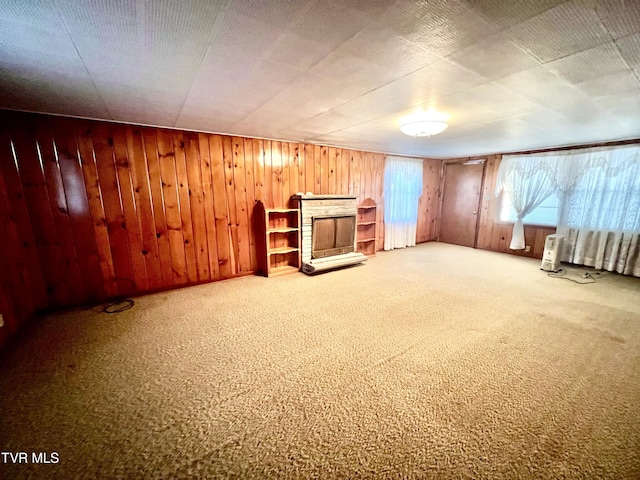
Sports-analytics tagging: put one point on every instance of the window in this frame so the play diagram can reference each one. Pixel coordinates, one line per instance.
(545, 214)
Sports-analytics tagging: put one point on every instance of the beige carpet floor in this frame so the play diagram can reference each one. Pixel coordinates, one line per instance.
(432, 362)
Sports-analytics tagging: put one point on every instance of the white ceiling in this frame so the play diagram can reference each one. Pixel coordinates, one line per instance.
(511, 74)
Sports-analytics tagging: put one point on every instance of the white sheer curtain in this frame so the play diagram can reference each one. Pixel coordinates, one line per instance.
(402, 189)
(527, 183)
(600, 215)
(599, 192)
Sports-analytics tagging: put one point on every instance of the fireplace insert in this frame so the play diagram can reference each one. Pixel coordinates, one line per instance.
(333, 235)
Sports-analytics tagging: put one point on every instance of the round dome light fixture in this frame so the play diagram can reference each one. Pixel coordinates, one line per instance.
(423, 128)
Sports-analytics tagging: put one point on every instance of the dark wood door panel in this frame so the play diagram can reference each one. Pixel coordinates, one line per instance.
(460, 203)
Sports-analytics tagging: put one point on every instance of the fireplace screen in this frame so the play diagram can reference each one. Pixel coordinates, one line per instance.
(333, 235)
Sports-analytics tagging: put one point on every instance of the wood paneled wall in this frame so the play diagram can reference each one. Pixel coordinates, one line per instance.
(429, 201)
(95, 210)
(495, 235)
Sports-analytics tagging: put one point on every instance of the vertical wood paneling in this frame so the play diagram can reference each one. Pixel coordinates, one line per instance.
(60, 214)
(276, 174)
(96, 207)
(13, 305)
(242, 215)
(144, 208)
(150, 142)
(309, 170)
(94, 210)
(324, 170)
(39, 208)
(195, 194)
(127, 197)
(250, 198)
(208, 206)
(113, 210)
(345, 159)
(21, 283)
(185, 207)
(284, 174)
(22, 250)
(354, 174)
(220, 206)
(172, 207)
(231, 212)
(429, 200)
(317, 169)
(295, 177)
(259, 169)
(78, 209)
(332, 173)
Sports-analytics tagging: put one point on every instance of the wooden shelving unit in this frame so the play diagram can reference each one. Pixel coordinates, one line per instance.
(366, 227)
(280, 248)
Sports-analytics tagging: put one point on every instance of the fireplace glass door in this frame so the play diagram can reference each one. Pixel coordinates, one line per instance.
(333, 235)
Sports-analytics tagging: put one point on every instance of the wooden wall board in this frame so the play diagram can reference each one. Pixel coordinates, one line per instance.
(59, 212)
(208, 202)
(16, 301)
(128, 202)
(116, 210)
(96, 207)
(150, 142)
(242, 211)
(143, 201)
(169, 181)
(39, 207)
(185, 206)
(20, 251)
(195, 195)
(220, 206)
(78, 210)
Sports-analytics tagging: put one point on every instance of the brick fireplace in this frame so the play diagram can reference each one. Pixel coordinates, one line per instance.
(328, 225)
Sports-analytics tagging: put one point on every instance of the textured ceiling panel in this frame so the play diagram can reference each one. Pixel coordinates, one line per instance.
(101, 19)
(329, 23)
(381, 46)
(621, 17)
(630, 50)
(280, 14)
(32, 13)
(614, 85)
(328, 122)
(536, 84)
(494, 57)
(38, 50)
(446, 36)
(410, 18)
(383, 101)
(564, 30)
(497, 97)
(589, 64)
(510, 75)
(507, 14)
(298, 51)
(238, 35)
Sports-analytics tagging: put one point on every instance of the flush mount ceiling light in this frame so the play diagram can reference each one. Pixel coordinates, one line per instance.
(424, 124)
(423, 128)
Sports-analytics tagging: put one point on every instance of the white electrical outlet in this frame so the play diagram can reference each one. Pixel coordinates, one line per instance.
(527, 248)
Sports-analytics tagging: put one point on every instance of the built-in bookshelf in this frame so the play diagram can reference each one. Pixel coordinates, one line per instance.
(281, 249)
(366, 227)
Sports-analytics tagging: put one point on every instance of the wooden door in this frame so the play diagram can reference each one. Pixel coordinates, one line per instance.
(461, 203)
